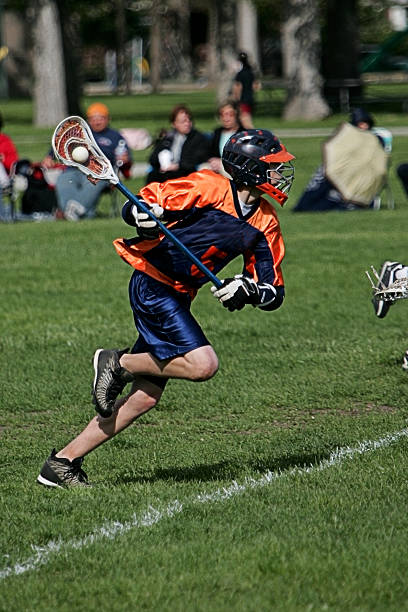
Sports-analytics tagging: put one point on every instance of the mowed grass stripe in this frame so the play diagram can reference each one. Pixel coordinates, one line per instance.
(114, 529)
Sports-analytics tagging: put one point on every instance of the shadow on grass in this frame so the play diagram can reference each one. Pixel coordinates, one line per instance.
(228, 470)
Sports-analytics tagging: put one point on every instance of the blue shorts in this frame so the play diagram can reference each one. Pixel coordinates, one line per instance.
(163, 319)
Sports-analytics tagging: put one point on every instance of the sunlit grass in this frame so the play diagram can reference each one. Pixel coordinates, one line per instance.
(320, 373)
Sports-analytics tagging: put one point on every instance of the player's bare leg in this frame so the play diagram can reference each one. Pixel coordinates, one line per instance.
(63, 469)
(197, 365)
(143, 397)
(115, 369)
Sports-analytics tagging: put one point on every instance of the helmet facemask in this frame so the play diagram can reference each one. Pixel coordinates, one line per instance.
(286, 174)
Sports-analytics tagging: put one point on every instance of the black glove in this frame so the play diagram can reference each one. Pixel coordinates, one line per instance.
(236, 292)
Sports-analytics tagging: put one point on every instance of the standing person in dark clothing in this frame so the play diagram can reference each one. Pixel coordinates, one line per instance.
(179, 151)
(243, 91)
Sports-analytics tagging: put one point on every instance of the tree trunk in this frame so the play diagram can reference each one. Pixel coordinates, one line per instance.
(155, 46)
(223, 45)
(50, 99)
(340, 60)
(301, 61)
(72, 51)
(247, 31)
(183, 38)
(122, 64)
(341, 57)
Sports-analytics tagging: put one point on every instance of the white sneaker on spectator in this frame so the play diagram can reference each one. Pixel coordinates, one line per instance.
(74, 210)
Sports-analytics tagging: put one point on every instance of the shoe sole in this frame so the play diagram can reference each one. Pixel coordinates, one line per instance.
(381, 309)
(103, 413)
(95, 365)
(48, 483)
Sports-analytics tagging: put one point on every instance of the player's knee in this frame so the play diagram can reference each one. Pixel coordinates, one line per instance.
(205, 369)
(149, 402)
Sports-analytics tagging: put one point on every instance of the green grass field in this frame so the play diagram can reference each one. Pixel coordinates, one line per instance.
(253, 491)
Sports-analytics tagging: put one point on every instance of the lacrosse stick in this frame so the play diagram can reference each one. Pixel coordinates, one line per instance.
(73, 132)
(396, 291)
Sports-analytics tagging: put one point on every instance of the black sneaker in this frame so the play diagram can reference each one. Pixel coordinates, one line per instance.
(387, 277)
(62, 473)
(109, 381)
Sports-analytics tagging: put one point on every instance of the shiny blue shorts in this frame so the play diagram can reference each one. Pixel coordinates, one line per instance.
(163, 319)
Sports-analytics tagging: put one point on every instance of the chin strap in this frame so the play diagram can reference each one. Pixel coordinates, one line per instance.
(275, 193)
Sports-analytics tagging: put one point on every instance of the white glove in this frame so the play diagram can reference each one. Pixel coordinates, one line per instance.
(236, 292)
(146, 226)
(143, 220)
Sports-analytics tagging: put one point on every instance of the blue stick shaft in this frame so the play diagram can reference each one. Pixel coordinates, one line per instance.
(131, 196)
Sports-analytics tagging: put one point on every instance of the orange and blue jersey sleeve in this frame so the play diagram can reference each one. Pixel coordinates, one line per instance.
(200, 189)
(263, 261)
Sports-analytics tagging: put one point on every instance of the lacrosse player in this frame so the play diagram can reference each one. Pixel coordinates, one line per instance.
(218, 220)
(391, 271)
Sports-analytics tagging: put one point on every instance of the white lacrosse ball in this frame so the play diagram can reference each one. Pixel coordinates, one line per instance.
(80, 154)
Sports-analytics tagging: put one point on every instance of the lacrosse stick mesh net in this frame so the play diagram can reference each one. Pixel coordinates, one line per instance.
(73, 132)
(398, 290)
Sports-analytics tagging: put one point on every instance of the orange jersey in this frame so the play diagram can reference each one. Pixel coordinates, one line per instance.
(203, 211)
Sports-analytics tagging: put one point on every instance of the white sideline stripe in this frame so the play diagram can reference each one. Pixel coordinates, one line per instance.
(113, 529)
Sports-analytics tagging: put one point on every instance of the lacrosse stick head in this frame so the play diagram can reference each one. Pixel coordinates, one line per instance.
(398, 290)
(73, 132)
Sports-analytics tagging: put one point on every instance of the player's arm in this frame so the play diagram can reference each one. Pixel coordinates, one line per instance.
(145, 225)
(240, 290)
(261, 283)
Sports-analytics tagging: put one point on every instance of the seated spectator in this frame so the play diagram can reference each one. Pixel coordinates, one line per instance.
(38, 200)
(180, 151)
(228, 114)
(402, 172)
(320, 194)
(8, 156)
(77, 196)
(362, 119)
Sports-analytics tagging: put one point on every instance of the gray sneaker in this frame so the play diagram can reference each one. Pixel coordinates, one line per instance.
(62, 473)
(387, 277)
(109, 381)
